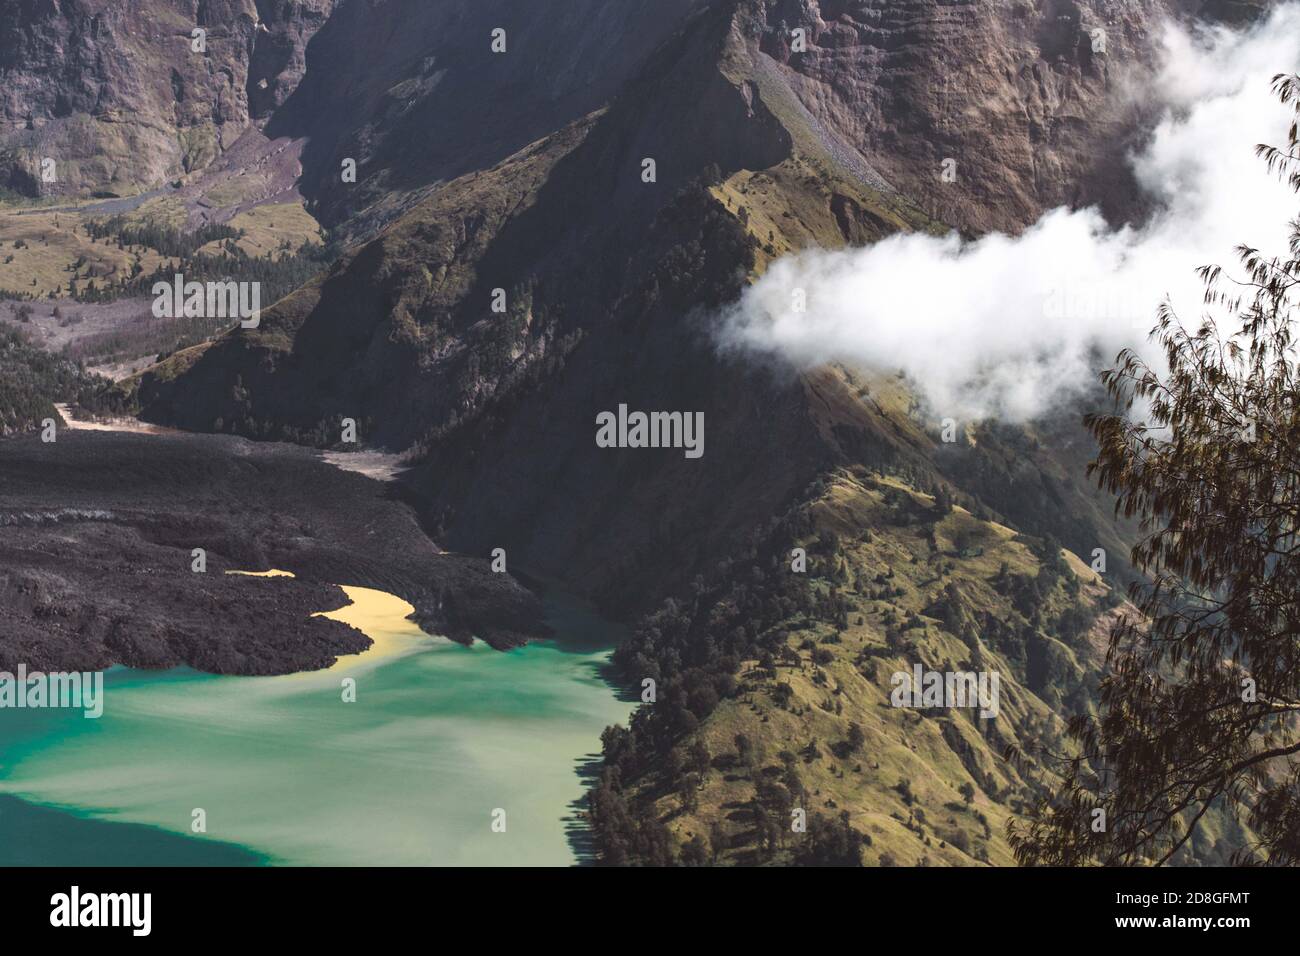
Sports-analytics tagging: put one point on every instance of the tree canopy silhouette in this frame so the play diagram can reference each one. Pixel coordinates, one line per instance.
(1198, 707)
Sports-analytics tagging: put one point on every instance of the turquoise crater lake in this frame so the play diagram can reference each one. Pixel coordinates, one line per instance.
(439, 737)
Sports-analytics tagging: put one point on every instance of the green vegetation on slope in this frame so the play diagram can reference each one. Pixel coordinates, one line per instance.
(773, 690)
(31, 381)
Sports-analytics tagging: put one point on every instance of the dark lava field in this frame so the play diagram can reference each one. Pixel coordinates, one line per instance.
(97, 531)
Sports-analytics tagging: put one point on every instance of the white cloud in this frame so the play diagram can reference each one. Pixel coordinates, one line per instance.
(1011, 326)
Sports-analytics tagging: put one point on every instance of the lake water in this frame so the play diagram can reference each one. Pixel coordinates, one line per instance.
(439, 738)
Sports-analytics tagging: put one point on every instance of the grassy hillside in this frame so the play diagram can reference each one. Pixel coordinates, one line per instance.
(46, 254)
(789, 707)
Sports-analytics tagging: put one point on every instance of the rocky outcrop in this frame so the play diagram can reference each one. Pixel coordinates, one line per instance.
(418, 94)
(116, 95)
(278, 61)
(1025, 106)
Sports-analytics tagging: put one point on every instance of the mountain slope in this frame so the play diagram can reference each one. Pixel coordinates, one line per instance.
(611, 281)
(602, 274)
(806, 720)
(417, 95)
(775, 734)
(114, 93)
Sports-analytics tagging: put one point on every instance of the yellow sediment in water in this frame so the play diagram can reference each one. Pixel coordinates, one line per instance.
(406, 773)
(383, 617)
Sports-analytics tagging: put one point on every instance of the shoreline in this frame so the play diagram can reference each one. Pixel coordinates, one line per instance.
(384, 618)
(464, 725)
(110, 576)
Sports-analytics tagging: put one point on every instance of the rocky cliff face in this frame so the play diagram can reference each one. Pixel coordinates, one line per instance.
(115, 94)
(419, 93)
(278, 61)
(1025, 97)
(758, 150)
(1028, 104)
